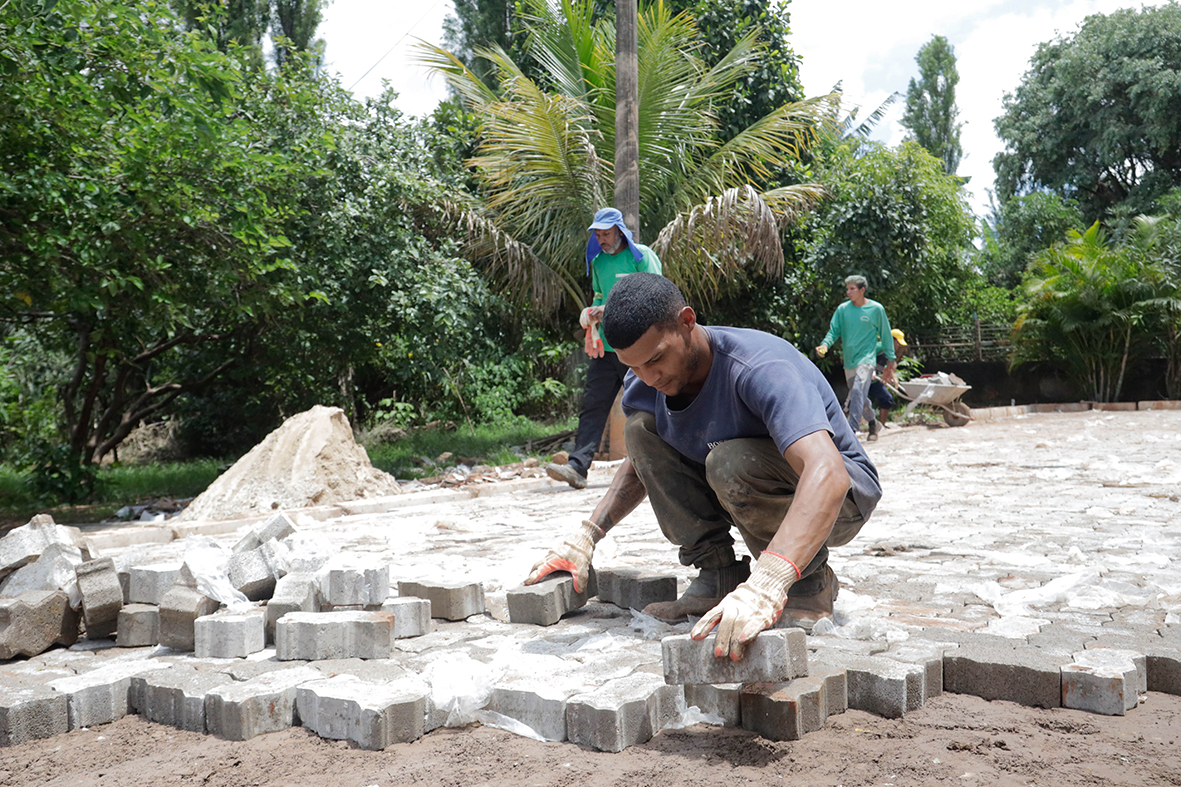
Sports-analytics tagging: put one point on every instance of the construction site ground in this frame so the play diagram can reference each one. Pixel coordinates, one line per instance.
(1009, 527)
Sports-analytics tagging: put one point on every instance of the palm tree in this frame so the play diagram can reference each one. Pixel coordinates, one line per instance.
(1085, 306)
(544, 162)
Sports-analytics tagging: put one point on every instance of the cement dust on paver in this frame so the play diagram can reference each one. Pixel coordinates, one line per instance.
(1006, 527)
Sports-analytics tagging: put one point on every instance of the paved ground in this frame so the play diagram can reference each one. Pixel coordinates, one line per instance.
(1018, 527)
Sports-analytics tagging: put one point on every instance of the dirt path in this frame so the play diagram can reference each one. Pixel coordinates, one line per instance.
(955, 739)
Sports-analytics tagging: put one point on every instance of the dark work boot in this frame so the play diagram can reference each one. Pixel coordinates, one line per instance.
(704, 593)
(568, 473)
(804, 611)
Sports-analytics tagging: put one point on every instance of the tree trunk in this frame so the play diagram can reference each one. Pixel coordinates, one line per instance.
(627, 115)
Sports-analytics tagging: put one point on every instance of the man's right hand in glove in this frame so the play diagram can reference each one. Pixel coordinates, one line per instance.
(589, 319)
(574, 555)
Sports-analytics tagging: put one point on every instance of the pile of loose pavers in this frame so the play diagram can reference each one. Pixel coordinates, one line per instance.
(377, 621)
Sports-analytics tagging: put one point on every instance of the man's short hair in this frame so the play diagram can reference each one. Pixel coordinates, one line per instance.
(637, 302)
(857, 280)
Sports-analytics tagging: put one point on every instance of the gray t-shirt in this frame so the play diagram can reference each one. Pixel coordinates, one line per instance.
(758, 386)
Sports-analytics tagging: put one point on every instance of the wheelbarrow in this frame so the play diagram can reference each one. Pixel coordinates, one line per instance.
(945, 396)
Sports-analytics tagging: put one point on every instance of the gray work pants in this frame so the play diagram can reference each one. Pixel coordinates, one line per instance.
(859, 378)
(744, 482)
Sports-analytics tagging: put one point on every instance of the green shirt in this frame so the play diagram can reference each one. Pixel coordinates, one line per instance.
(606, 269)
(860, 329)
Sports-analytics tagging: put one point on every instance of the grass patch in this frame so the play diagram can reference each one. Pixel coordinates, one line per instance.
(129, 485)
(117, 487)
(488, 443)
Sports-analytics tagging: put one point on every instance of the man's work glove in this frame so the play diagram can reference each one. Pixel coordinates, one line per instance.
(574, 555)
(751, 607)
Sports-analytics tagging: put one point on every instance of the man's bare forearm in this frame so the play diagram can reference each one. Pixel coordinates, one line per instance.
(625, 493)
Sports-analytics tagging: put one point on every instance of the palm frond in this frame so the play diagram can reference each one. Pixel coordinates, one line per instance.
(474, 92)
(706, 245)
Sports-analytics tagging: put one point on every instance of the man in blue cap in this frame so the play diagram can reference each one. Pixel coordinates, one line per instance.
(611, 254)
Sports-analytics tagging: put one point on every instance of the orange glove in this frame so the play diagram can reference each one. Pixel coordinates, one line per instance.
(574, 555)
(594, 343)
(751, 607)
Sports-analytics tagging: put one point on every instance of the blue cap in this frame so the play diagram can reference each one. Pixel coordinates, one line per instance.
(605, 219)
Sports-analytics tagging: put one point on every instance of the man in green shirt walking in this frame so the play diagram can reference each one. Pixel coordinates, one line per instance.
(611, 254)
(860, 323)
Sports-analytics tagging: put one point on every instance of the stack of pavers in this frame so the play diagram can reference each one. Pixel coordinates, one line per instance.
(345, 653)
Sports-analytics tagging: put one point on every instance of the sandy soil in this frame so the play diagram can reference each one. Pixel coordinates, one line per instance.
(955, 739)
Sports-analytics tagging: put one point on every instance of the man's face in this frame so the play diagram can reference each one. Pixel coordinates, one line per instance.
(853, 291)
(664, 359)
(609, 239)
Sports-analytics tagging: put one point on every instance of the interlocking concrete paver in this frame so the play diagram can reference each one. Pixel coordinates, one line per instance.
(102, 597)
(1027, 677)
(546, 602)
(1060, 535)
(773, 656)
(229, 635)
(449, 600)
(31, 713)
(635, 588)
(622, 712)
(372, 715)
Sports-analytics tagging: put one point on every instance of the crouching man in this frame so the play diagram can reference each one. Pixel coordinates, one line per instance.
(728, 427)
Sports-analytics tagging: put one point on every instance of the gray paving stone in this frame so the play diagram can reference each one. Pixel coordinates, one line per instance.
(139, 625)
(241, 711)
(774, 656)
(412, 616)
(1025, 676)
(175, 696)
(859, 646)
(538, 701)
(252, 574)
(877, 684)
(35, 621)
(52, 570)
(1100, 683)
(293, 593)
(150, 583)
(309, 636)
(545, 603)
(24, 544)
(229, 635)
(449, 600)
(1138, 659)
(101, 696)
(372, 715)
(179, 610)
(367, 670)
(724, 701)
(634, 588)
(783, 711)
(929, 656)
(622, 712)
(277, 528)
(368, 586)
(125, 586)
(102, 597)
(1164, 668)
(31, 713)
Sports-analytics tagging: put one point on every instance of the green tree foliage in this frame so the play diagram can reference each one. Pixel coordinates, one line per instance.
(1097, 117)
(1086, 305)
(293, 28)
(774, 82)
(896, 217)
(1020, 228)
(141, 207)
(930, 104)
(544, 159)
(240, 24)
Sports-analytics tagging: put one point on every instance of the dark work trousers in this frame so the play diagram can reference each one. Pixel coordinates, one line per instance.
(744, 482)
(604, 378)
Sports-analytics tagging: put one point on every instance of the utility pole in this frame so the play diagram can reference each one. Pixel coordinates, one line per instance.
(627, 116)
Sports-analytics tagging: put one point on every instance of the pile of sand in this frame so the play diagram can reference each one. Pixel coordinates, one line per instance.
(312, 459)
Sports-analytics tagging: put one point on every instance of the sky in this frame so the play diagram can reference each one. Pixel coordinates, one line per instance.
(867, 45)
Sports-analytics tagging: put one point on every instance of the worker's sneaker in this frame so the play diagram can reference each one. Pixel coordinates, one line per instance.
(875, 427)
(704, 593)
(566, 473)
(804, 611)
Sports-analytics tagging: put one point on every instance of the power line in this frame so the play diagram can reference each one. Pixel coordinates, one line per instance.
(396, 43)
